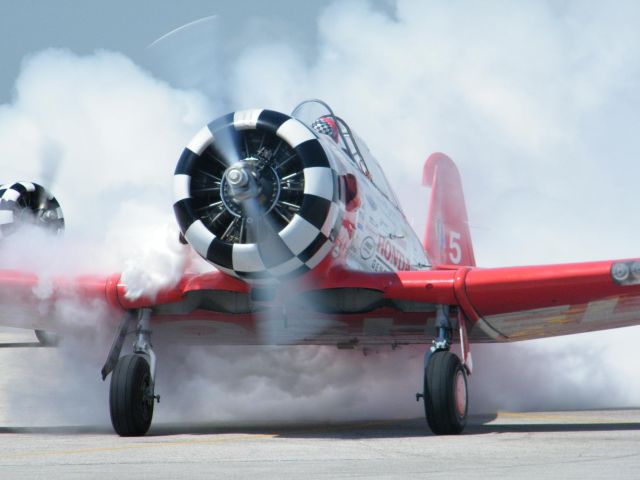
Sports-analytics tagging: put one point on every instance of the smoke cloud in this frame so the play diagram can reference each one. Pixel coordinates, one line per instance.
(534, 101)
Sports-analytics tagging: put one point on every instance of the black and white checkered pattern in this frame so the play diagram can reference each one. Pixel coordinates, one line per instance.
(322, 126)
(14, 197)
(302, 244)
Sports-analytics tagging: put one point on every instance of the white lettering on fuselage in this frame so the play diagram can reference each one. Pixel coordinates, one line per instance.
(392, 254)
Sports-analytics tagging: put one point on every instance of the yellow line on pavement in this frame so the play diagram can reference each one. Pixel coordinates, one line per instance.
(564, 417)
(135, 446)
(198, 441)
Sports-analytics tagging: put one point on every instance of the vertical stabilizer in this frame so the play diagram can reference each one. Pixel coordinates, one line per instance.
(447, 239)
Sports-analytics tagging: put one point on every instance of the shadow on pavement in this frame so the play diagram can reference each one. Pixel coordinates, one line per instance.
(417, 427)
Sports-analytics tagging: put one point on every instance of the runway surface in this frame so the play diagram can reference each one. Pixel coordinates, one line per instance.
(587, 444)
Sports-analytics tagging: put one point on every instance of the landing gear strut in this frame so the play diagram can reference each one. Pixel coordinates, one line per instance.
(445, 378)
(131, 394)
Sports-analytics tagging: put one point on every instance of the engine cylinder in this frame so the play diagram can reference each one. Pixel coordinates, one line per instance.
(255, 194)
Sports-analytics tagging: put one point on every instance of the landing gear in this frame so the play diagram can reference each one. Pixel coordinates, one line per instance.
(445, 391)
(131, 395)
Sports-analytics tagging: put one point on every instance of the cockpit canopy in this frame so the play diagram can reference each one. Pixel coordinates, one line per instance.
(319, 116)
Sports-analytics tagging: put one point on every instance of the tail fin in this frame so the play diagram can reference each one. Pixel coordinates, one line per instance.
(447, 239)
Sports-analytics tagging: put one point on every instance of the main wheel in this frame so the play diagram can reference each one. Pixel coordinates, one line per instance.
(445, 394)
(131, 396)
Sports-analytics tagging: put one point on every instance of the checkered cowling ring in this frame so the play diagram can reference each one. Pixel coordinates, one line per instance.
(27, 203)
(287, 223)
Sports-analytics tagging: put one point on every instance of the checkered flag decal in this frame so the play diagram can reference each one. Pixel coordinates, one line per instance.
(322, 126)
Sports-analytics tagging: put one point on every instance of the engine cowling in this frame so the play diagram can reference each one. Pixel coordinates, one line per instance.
(256, 195)
(27, 203)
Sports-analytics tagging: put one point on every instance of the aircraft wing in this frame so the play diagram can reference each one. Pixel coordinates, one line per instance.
(69, 303)
(501, 304)
(518, 303)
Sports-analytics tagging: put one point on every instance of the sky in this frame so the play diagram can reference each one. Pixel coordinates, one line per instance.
(128, 27)
(537, 102)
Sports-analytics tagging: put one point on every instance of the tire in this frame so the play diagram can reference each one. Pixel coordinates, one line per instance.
(130, 398)
(47, 339)
(445, 394)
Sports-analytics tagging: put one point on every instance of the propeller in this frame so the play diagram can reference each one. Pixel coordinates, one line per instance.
(256, 196)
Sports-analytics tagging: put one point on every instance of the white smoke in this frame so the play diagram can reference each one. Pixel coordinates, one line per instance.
(266, 385)
(534, 101)
(107, 135)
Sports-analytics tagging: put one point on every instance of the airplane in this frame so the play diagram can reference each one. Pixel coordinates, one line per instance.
(308, 245)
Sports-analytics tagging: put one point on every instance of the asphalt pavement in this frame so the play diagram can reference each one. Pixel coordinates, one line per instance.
(585, 444)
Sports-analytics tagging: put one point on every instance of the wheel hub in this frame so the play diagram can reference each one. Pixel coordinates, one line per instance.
(460, 386)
